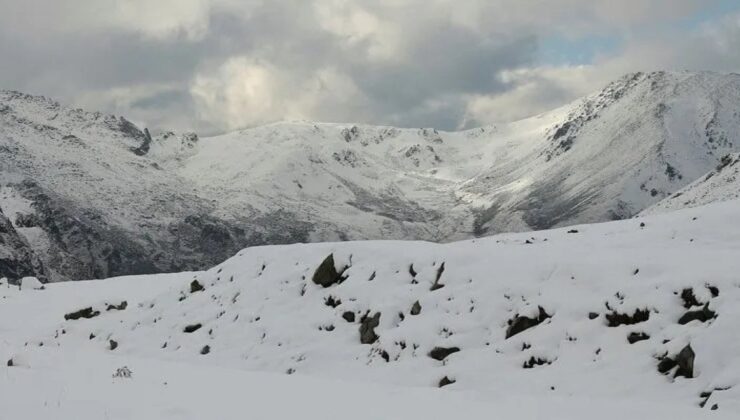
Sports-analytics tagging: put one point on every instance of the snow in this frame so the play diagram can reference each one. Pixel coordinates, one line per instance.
(279, 347)
(720, 184)
(31, 283)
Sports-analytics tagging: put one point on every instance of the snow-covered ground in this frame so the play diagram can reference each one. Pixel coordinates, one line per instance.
(563, 324)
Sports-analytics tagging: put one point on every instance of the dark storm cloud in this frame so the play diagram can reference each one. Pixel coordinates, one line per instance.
(214, 65)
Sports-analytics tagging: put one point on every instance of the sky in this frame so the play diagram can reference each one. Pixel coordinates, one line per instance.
(213, 66)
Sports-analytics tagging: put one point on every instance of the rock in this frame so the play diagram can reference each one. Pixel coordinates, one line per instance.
(113, 344)
(415, 308)
(326, 274)
(367, 328)
(703, 315)
(616, 319)
(195, 287)
(333, 302)
(191, 328)
(689, 299)
(446, 381)
(522, 323)
(440, 353)
(634, 337)
(17, 258)
(593, 315)
(18, 360)
(120, 307)
(437, 285)
(349, 316)
(535, 361)
(26, 220)
(684, 361)
(205, 350)
(82, 313)
(412, 271)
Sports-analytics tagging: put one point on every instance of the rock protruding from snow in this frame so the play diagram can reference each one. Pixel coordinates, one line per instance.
(326, 274)
(522, 323)
(367, 328)
(683, 362)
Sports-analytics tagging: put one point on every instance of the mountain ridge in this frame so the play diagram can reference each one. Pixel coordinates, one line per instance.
(109, 198)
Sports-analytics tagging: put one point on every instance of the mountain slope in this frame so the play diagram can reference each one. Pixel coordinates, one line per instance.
(721, 184)
(635, 311)
(111, 199)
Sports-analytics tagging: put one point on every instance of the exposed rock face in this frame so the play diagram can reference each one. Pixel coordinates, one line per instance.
(17, 259)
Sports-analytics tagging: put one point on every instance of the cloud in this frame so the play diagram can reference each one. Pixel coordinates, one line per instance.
(245, 91)
(217, 65)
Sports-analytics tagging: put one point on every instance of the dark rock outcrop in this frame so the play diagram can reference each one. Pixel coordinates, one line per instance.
(120, 307)
(535, 361)
(191, 328)
(326, 274)
(615, 319)
(635, 337)
(441, 353)
(367, 328)
(17, 259)
(86, 313)
(195, 286)
(522, 323)
(445, 381)
(703, 315)
(349, 316)
(415, 308)
(683, 362)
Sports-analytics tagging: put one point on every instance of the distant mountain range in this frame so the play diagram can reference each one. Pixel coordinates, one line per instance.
(89, 195)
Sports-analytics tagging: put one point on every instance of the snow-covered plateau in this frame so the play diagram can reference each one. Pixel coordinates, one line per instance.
(638, 318)
(87, 195)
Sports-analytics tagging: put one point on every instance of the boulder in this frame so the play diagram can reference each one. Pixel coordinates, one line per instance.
(522, 323)
(367, 328)
(326, 274)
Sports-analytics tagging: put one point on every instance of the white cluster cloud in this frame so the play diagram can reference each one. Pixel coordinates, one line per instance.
(245, 91)
(217, 65)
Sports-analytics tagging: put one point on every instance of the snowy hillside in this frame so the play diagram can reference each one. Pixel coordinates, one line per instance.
(639, 313)
(95, 196)
(721, 184)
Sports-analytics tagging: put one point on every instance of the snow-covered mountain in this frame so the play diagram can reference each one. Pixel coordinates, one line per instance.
(721, 184)
(640, 314)
(99, 197)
